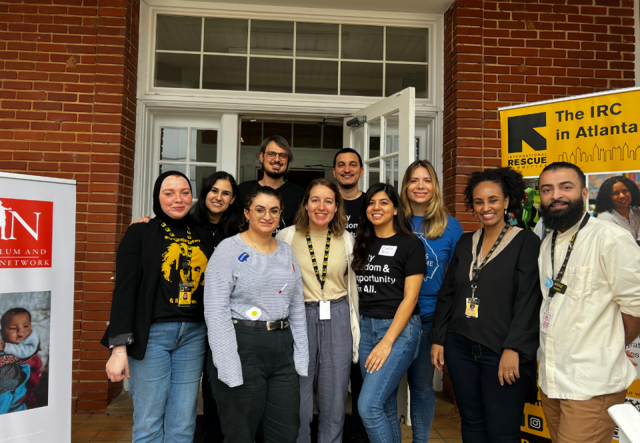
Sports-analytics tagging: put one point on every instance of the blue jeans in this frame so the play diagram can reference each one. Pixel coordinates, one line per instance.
(488, 412)
(420, 377)
(377, 403)
(164, 385)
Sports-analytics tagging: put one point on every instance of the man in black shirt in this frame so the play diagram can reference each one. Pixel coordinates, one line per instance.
(275, 157)
(347, 169)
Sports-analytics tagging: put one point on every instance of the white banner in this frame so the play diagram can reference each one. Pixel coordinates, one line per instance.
(37, 254)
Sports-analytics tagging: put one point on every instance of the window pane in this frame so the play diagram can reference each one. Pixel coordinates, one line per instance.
(178, 70)
(173, 144)
(306, 135)
(316, 77)
(392, 133)
(224, 35)
(273, 128)
(317, 40)
(406, 44)
(204, 145)
(391, 172)
(167, 168)
(271, 38)
(361, 79)
(333, 136)
(374, 138)
(197, 177)
(178, 33)
(362, 42)
(374, 174)
(224, 72)
(271, 75)
(251, 133)
(400, 77)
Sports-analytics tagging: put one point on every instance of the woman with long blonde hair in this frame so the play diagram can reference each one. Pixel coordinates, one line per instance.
(423, 204)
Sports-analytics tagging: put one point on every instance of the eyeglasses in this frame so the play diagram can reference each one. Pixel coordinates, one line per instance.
(261, 212)
(282, 155)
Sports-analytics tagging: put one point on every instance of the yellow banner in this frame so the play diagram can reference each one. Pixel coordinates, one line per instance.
(597, 132)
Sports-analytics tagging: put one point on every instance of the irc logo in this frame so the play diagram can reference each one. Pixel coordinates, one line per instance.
(243, 257)
(521, 129)
(26, 228)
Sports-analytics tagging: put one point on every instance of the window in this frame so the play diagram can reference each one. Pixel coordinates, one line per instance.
(194, 152)
(290, 57)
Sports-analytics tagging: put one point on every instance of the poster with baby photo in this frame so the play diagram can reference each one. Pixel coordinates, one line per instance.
(25, 319)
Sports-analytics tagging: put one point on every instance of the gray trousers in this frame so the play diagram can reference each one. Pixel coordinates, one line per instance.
(330, 343)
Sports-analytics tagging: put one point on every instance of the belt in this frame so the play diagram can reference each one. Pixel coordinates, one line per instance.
(268, 325)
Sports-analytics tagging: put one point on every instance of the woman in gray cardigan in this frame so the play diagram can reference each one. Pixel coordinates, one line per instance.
(323, 249)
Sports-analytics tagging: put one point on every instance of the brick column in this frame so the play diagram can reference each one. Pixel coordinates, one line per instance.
(510, 52)
(67, 109)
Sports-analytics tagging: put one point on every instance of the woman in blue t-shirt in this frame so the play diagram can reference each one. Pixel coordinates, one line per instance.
(424, 206)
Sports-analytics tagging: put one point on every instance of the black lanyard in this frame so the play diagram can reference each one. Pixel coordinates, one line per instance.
(315, 263)
(557, 285)
(186, 263)
(475, 275)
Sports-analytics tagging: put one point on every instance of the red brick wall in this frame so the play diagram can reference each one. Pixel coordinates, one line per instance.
(67, 109)
(509, 52)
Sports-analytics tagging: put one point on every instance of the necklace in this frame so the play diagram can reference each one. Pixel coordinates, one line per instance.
(256, 247)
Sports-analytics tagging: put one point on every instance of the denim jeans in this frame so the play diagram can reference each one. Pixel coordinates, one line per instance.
(420, 377)
(377, 403)
(164, 385)
(488, 412)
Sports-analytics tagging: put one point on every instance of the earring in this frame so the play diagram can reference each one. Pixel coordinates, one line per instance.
(505, 212)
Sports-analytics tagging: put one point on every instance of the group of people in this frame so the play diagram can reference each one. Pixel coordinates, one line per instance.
(362, 288)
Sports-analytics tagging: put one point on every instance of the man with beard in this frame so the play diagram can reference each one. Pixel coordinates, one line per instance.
(347, 170)
(590, 311)
(275, 157)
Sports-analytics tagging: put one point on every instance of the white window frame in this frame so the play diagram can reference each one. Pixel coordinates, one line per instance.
(230, 106)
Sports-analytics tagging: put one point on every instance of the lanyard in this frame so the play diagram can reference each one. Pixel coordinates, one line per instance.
(475, 275)
(186, 263)
(557, 285)
(324, 264)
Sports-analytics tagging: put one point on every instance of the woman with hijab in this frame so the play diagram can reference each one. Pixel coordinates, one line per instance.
(156, 331)
(618, 202)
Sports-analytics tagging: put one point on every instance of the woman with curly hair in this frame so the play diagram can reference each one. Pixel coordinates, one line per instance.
(618, 201)
(487, 315)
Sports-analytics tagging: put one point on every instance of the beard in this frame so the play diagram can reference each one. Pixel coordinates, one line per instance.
(348, 186)
(562, 219)
(275, 175)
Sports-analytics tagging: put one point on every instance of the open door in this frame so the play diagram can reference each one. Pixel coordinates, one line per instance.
(384, 135)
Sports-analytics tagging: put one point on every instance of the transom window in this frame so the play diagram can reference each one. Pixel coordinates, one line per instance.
(292, 57)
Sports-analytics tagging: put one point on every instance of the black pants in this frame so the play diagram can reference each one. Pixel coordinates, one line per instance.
(212, 430)
(488, 412)
(270, 393)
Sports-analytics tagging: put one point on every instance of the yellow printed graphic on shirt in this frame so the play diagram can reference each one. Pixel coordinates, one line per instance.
(171, 263)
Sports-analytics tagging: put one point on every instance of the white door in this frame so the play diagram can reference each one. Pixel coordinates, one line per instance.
(386, 138)
(386, 142)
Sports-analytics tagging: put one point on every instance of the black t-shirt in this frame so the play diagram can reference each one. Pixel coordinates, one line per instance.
(175, 251)
(391, 260)
(292, 196)
(353, 208)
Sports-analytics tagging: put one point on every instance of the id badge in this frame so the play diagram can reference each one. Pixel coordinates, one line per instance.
(325, 310)
(546, 320)
(184, 300)
(471, 310)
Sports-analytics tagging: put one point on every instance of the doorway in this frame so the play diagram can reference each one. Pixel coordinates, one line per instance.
(314, 142)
